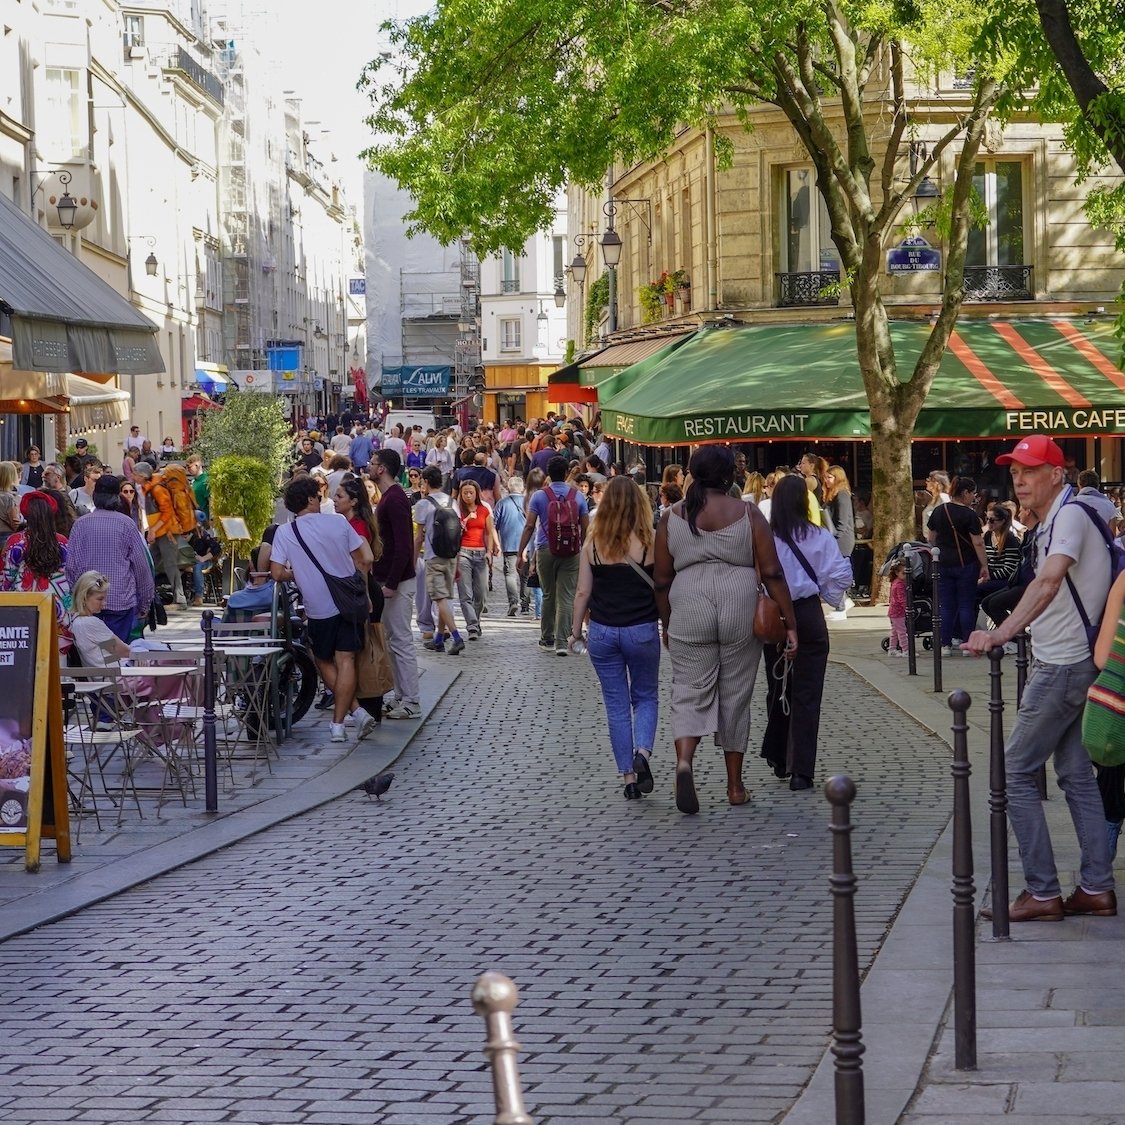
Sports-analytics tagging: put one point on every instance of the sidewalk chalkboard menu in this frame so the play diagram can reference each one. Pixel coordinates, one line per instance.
(33, 796)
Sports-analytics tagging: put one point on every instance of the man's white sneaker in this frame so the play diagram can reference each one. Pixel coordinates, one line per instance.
(947, 650)
(364, 721)
(337, 732)
(404, 711)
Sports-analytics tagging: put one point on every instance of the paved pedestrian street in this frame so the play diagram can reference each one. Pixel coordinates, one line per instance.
(671, 969)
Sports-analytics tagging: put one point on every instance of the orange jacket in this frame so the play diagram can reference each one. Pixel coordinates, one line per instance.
(164, 522)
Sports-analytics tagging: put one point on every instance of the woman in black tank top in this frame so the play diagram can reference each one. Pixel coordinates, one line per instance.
(615, 590)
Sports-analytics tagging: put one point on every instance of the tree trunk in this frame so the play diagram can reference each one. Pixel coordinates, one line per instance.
(892, 493)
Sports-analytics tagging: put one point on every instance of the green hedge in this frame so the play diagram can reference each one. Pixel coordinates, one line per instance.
(243, 486)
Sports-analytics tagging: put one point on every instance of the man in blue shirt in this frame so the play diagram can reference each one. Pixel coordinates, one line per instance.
(558, 574)
(508, 518)
(361, 449)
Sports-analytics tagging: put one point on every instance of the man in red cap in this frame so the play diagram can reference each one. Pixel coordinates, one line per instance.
(1072, 567)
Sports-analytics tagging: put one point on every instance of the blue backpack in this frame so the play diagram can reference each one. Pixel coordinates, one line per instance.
(1116, 567)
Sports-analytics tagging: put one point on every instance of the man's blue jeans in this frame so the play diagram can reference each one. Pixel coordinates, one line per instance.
(1049, 723)
(627, 662)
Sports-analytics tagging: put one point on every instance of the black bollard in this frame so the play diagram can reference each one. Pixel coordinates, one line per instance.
(210, 755)
(911, 651)
(964, 949)
(997, 796)
(846, 1015)
(936, 618)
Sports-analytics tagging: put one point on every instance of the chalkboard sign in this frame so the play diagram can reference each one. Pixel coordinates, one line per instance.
(33, 795)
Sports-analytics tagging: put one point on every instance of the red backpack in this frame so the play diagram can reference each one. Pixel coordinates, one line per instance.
(564, 531)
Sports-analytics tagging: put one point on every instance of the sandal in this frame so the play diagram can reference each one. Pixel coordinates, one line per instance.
(686, 800)
(737, 796)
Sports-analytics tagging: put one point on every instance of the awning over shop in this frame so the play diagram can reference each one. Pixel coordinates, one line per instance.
(211, 377)
(65, 317)
(94, 406)
(588, 378)
(17, 386)
(998, 378)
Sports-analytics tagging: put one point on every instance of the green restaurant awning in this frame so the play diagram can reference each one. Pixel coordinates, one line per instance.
(586, 379)
(998, 378)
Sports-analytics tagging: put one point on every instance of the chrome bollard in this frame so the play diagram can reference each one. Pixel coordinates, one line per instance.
(494, 997)
(997, 796)
(964, 948)
(210, 755)
(847, 1018)
(936, 617)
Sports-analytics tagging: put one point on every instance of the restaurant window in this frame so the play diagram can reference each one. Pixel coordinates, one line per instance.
(996, 266)
(66, 129)
(510, 334)
(809, 259)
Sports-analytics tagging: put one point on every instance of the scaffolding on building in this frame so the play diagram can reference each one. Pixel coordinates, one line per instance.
(468, 373)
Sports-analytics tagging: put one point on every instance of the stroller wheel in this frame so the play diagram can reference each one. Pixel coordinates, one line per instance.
(928, 643)
(885, 644)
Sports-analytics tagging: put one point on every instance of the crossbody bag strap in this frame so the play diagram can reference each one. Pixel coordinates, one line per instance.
(956, 534)
(805, 563)
(641, 571)
(312, 557)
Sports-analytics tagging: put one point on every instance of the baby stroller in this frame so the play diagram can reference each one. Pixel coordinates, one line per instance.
(920, 576)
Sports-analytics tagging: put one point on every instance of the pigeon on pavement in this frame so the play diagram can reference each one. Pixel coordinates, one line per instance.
(377, 785)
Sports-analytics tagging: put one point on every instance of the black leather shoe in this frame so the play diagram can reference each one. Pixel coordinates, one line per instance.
(799, 781)
(632, 792)
(686, 800)
(779, 770)
(643, 772)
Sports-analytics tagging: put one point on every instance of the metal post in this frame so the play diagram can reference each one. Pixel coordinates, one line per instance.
(964, 948)
(1022, 662)
(911, 651)
(997, 796)
(494, 997)
(847, 1018)
(210, 756)
(935, 617)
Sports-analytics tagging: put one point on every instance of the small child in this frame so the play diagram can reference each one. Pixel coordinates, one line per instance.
(896, 611)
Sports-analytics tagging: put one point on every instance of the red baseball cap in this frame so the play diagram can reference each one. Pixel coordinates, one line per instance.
(1035, 450)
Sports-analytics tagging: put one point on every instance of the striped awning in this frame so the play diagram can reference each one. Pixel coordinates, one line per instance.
(998, 379)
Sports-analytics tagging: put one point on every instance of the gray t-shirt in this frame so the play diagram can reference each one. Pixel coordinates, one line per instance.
(424, 518)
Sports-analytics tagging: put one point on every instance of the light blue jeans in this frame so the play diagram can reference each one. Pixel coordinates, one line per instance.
(627, 661)
(1049, 724)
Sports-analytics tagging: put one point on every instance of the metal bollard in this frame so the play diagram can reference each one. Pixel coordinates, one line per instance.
(847, 1018)
(936, 618)
(997, 796)
(210, 755)
(494, 997)
(964, 948)
(911, 651)
(1022, 663)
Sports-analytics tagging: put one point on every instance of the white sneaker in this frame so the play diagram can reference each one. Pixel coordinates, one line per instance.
(364, 721)
(838, 615)
(947, 650)
(337, 733)
(848, 603)
(404, 711)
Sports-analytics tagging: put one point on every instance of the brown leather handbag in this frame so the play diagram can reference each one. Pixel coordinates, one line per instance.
(769, 625)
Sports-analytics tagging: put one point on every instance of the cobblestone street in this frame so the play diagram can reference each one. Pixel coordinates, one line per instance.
(670, 968)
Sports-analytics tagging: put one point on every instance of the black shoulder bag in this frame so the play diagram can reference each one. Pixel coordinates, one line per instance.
(348, 594)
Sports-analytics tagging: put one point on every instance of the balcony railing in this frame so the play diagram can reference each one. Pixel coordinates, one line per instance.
(196, 74)
(807, 288)
(510, 285)
(998, 283)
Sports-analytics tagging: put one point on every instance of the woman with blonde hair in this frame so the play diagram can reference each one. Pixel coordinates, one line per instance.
(615, 589)
(841, 513)
(755, 488)
(9, 476)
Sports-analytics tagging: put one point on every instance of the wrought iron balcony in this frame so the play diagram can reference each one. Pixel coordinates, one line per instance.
(998, 283)
(510, 285)
(201, 78)
(807, 288)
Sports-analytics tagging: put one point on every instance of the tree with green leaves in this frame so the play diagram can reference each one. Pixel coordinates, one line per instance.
(486, 107)
(250, 424)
